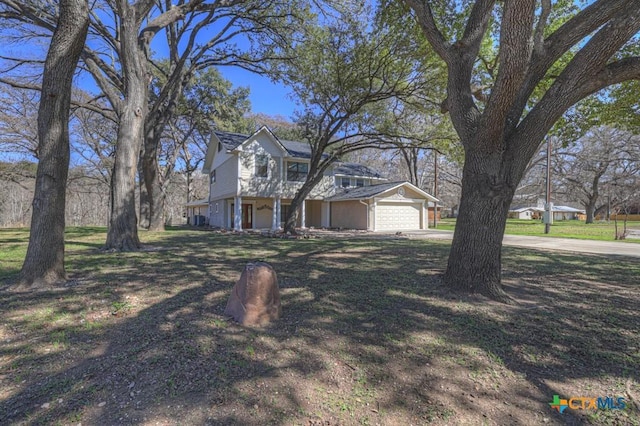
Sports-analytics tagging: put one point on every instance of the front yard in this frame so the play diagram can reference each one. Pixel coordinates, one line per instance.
(561, 228)
(368, 336)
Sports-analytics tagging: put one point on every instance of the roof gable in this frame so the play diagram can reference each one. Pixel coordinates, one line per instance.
(366, 192)
(292, 149)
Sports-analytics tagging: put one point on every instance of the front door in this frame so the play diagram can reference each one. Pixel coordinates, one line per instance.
(247, 216)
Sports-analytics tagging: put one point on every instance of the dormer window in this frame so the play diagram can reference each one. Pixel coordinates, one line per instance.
(345, 182)
(262, 166)
(359, 183)
(212, 177)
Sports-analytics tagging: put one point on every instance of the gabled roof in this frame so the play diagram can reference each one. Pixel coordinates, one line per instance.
(297, 149)
(556, 209)
(522, 209)
(566, 209)
(294, 149)
(366, 192)
(354, 169)
(231, 141)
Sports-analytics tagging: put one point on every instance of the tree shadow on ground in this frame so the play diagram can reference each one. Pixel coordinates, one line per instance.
(368, 335)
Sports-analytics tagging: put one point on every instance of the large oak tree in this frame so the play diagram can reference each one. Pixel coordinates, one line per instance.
(44, 262)
(343, 76)
(196, 34)
(502, 126)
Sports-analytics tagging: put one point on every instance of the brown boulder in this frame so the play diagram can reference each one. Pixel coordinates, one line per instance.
(255, 298)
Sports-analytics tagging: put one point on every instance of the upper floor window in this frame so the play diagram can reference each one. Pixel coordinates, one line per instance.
(345, 182)
(219, 146)
(359, 182)
(212, 177)
(297, 171)
(262, 166)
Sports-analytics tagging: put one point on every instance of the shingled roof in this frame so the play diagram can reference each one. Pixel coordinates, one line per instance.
(354, 169)
(363, 192)
(231, 141)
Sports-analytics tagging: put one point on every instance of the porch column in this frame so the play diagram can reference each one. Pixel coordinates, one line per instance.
(278, 210)
(274, 217)
(237, 217)
(325, 215)
(303, 213)
(425, 215)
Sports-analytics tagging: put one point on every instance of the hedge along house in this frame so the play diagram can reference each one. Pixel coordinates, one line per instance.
(254, 178)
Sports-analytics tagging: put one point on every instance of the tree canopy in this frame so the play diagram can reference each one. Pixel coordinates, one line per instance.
(513, 69)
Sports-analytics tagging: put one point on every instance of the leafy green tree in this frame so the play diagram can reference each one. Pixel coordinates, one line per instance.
(502, 125)
(207, 100)
(282, 127)
(341, 75)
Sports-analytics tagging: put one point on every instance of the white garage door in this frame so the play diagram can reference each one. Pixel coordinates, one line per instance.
(397, 216)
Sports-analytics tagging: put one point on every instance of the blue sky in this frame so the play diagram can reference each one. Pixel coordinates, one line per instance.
(265, 96)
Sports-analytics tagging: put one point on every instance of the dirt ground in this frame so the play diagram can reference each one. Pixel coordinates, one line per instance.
(368, 336)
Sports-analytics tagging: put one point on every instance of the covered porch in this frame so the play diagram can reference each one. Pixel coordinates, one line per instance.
(240, 213)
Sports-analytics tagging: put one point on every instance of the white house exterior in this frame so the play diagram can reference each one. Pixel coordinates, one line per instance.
(559, 212)
(254, 178)
(524, 213)
(197, 212)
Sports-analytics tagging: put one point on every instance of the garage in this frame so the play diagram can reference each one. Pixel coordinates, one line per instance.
(385, 207)
(397, 216)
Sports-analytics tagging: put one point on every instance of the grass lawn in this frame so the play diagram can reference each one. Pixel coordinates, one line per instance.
(368, 336)
(560, 228)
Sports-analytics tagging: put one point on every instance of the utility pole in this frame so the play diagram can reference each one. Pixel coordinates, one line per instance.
(548, 214)
(435, 188)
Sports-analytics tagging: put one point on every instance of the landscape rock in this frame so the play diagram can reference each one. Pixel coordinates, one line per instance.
(255, 298)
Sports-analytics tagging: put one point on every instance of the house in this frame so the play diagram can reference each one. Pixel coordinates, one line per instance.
(254, 178)
(567, 213)
(197, 212)
(524, 213)
(559, 212)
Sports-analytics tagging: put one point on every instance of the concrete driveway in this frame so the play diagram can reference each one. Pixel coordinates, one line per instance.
(546, 243)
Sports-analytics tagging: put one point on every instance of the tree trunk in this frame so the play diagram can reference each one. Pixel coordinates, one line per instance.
(475, 258)
(296, 203)
(590, 208)
(44, 262)
(123, 230)
(143, 199)
(292, 217)
(150, 169)
(123, 226)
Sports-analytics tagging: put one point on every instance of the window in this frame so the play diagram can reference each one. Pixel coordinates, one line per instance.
(359, 182)
(219, 146)
(262, 166)
(345, 182)
(212, 177)
(297, 171)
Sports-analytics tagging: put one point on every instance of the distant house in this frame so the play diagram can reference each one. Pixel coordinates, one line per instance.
(559, 213)
(198, 212)
(524, 213)
(567, 213)
(253, 179)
